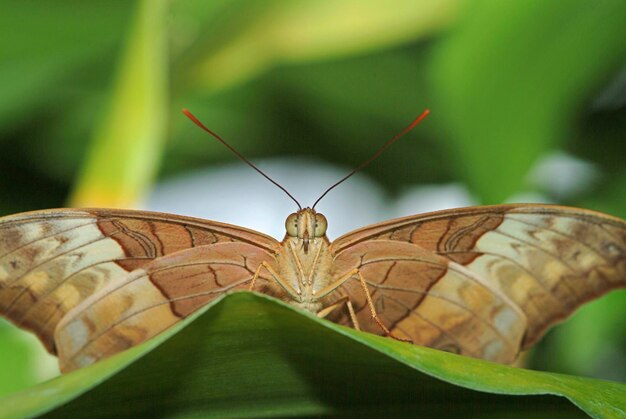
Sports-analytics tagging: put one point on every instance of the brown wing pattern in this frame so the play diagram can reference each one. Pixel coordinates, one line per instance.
(546, 259)
(52, 260)
(434, 302)
(151, 299)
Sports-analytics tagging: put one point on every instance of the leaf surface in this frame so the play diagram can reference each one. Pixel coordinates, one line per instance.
(248, 355)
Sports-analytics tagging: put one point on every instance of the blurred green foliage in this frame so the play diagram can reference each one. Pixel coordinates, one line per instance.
(507, 82)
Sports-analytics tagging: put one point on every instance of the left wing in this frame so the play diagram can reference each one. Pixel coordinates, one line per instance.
(429, 299)
(547, 259)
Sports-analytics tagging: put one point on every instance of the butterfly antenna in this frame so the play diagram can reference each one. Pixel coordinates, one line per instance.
(376, 154)
(218, 138)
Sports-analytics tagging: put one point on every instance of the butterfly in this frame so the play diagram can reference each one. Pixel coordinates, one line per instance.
(484, 281)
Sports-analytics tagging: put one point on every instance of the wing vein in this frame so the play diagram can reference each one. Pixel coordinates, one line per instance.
(92, 339)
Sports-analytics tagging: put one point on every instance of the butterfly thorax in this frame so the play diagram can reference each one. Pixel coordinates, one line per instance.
(305, 261)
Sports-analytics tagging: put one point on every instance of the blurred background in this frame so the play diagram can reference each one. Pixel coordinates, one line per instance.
(528, 102)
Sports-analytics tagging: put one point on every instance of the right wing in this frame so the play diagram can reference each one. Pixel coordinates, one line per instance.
(51, 261)
(153, 298)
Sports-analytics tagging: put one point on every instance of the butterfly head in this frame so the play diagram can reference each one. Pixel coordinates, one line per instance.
(306, 224)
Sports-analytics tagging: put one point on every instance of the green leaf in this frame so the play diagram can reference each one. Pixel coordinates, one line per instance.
(21, 360)
(592, 340)
(44, 47)
(510, 80)
(303, 31)
(127, 147)
(249, 355)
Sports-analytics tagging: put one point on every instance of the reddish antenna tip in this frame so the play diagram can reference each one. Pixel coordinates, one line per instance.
(236, 153)
(195, 120)
(417, 120)
(376, 154)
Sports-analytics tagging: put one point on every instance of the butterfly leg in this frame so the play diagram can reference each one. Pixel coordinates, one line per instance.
(284, 284)
(373, 313)
(254, 278)
(355, 272)
(343, 300)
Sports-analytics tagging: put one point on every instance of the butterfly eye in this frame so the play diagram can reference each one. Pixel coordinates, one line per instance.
(291, 225)
(320, 225)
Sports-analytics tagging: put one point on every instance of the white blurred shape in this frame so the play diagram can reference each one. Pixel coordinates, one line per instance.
(426, 198)
(563, 175)
(236, 194)
(529, 198)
